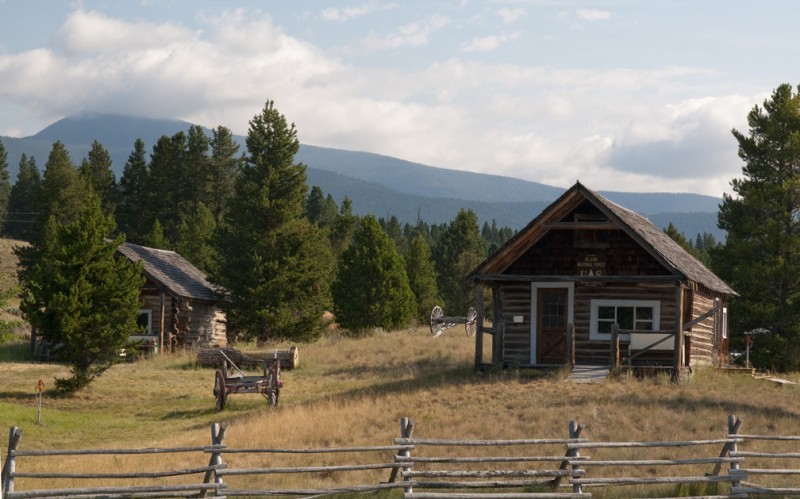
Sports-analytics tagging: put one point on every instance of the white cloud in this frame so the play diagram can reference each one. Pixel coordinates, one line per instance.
(412, 34)
(348, 13)
(509, 15)
(593, 14)
(487, 43)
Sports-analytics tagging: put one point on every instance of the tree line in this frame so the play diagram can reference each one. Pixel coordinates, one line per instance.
(282, 253)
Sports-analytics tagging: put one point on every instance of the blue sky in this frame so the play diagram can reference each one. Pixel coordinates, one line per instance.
(622, 95)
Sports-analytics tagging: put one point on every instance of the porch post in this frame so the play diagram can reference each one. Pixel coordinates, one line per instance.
(479, 327)
(677, 359)
(499, 330)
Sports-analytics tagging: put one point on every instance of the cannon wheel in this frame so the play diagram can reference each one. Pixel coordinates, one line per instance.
(472, 322)
(219, 390)
(436, 326)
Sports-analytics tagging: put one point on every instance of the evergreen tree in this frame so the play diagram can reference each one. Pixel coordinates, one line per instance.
(195, 171)
(63, 190)
(80, 297)
(96, 172)
(164, 190)
(194, 237)
(274, 264)
(679, 238)
(459, 246)
(344, 226)
(320, 209)
(422, 277)
(371, 287)
(224, 168)
(24, 201)
(761, 257)
(5, 184)
(131, 211)
(155, 238)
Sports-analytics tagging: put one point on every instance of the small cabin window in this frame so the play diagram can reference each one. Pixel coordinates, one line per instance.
(637, 315)
(724, 322)
(145, 321)
(588, 238)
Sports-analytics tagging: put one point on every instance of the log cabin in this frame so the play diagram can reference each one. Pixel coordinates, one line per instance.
(590, 282)
(179, 305)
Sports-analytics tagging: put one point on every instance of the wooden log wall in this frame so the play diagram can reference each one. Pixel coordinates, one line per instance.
(702, 335)
(515, 300)
(587, 348)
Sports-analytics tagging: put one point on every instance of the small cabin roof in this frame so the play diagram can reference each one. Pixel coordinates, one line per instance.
(654, 240)
(171, 270)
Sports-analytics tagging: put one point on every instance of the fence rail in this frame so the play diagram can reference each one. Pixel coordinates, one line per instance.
(431, 468)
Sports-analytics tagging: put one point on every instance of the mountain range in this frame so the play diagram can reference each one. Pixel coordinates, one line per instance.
(381, 185)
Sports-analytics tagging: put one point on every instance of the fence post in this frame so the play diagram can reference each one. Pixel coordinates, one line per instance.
(575, 430)
(726, 449)
(733, 428)
(10, 465)
(406, 430)
(614, 346)
(217, 436)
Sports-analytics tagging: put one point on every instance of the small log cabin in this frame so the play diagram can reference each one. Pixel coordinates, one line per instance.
(587, 272)
(179, 305)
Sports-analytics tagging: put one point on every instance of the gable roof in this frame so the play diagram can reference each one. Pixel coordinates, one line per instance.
(171, 270)
(663, 248)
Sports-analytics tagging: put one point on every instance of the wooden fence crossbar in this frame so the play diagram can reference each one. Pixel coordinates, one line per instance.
(409, 472)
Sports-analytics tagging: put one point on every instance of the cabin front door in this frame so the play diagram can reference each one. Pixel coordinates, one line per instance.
(551, 325)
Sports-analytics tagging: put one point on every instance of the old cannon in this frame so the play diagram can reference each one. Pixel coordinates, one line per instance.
(440, 323)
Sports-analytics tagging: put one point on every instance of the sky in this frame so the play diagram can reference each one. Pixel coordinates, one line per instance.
(621, 95)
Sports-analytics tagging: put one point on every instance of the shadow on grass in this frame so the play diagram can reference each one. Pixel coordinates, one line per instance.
(15, 352)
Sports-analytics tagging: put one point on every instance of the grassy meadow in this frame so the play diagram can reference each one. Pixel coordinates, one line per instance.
(351, 392)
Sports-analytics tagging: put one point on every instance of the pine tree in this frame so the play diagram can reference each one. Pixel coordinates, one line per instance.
(82, 299)
(96, 172)
(24, 201)
(224, 168)
(132, 216)
(344, 226)
(459, 249)
(422, 277)
(371, 287)
(195, 172)
(63, 190)
(194, 238)
(274, 264)
(5, 184)
(164, 189)
(155, 238)
(761, 257)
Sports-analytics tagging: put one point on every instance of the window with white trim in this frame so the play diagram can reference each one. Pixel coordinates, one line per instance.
(145, 321)
(638, 315)
(724, 322)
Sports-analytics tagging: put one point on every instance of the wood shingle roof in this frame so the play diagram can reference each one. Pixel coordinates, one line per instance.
(171, 270)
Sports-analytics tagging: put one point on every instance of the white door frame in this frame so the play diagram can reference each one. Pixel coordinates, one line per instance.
(535, 286)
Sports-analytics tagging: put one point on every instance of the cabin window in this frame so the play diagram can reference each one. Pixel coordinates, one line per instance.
(724, 322)
(637, 315)
(145, 321)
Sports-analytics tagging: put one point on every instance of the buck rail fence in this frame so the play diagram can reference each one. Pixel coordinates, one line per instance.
(736, 465)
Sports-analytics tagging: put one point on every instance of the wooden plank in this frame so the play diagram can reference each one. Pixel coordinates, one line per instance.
(499, 495)
(129, 491)
(484, 459)
(487, 443)
(659, 462)
(654, 480)
(487, 473)
(313, 492)
(309, 469)
(677, 443)
(89, 452)
(322, 450)
(145, 474)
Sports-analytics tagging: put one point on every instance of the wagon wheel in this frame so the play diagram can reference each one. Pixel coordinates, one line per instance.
(436, 325)
(219, 390)
(472, 322)
(272, 389)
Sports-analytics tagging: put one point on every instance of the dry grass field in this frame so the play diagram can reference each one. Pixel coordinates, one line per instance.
(350, 392)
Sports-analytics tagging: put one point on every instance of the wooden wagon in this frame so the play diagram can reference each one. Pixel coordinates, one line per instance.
(268, 384)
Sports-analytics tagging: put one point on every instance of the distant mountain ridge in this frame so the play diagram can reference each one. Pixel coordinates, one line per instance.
(381, 185)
